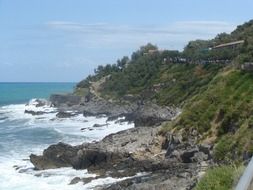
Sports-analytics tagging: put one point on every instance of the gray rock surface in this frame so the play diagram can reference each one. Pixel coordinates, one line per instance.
(166, 161)
(142, 114)
(66, 99)
(127, 153)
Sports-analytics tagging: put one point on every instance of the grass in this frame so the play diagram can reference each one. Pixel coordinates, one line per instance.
(222, 109)
(81, 91)
(220, 178)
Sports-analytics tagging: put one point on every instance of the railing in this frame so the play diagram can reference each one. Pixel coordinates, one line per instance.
(246, 180)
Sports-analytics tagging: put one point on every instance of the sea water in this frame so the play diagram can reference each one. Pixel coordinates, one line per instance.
(22, 134)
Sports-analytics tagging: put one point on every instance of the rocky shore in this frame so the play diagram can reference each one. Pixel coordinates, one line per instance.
(141, 113)
(144, 157)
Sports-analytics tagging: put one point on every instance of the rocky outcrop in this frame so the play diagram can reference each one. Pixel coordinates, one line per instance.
(150, 114)
(186, 151)
(165, 161)
(111, 150)
(65, 99)
(129, 152)
(147, 114)
(141, 113)
(97, 107)
(56, 156)
(62, 114)
(34, 112)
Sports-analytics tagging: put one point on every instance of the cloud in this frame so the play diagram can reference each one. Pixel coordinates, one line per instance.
(173, 35)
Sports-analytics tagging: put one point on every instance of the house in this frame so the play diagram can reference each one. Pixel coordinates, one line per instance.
(229, 45)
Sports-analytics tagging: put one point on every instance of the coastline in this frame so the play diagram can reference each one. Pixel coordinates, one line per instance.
(142, 156)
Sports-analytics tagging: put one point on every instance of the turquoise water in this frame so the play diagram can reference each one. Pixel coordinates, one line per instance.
(14, 93)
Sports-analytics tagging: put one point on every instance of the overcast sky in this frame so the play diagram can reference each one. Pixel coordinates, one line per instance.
(64, 40)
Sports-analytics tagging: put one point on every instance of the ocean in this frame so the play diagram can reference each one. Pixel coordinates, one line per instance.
(22, 134)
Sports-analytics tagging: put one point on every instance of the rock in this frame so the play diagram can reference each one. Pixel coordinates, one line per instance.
(95, 157)
(88, 180)
(41, 102)
(75, 180)
(149, 114)
(62, 114)
(159, 180)
(66, 99)
(199, 157)
(193, 155)
(100, 125)
(125, 154)
(56, 156)
(187, 155)
(34, 112)
(3, 118)
(84, 128)
(205, 148)
(142, 114)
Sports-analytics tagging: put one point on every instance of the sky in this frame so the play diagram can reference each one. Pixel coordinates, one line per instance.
(65, 40)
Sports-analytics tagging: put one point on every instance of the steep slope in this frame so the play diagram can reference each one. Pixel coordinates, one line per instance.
(215, 94)
(222, 114)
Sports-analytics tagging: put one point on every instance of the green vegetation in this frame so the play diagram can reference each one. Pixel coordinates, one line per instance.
(216, 98)
(182, 81)
(220, 178)
(157, 76)
(223, 110)
(175, 73)
(199, 49)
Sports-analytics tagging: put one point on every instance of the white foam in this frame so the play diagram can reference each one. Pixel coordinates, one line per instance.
(109, 180)
(70, 130)
(23, 177)
(12, 179)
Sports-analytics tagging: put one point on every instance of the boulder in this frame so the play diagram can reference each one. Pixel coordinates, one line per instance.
(94, 157)
(187, 155)
(100, 125)
(41, 103)
(205, 148)
(55, 156)
(75, 180)
(63, 155)
(63, 114)
(34, 112)
(66, 99)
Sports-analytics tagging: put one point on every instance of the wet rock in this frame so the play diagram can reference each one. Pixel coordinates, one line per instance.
(93, 157)
(41, 102)
(3, 118)
(56, 156)
(34, 112)
(84, 128)
(62, 114)
(66, 99)
(126, 154)
(100, 125)
(75, 180)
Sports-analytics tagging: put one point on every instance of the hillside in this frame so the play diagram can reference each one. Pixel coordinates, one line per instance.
(215, 94)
